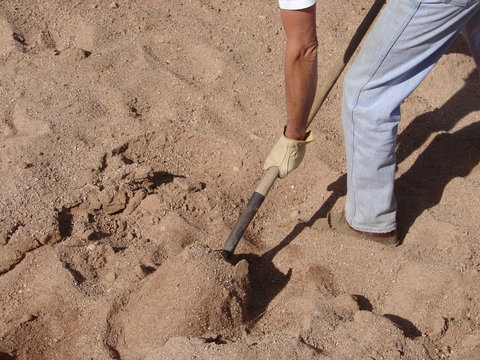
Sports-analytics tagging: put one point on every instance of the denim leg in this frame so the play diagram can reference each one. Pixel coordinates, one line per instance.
(471, 33)
(407, 40)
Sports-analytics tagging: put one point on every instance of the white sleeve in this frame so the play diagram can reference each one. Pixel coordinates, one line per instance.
(295, 4)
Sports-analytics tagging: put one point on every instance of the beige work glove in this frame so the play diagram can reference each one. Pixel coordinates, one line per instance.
(287, 154)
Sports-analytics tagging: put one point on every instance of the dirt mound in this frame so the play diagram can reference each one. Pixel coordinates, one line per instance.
(213, 296)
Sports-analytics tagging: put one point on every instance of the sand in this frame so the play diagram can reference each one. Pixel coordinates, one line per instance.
(132, 133)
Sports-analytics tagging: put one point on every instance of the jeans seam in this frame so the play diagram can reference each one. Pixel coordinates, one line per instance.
(372, 71)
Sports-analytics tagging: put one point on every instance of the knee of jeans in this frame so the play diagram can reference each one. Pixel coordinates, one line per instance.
(349, 91)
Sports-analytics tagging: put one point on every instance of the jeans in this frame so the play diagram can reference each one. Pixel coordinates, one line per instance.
(408, 39)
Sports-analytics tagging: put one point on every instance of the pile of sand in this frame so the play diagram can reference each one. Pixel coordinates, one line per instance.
(196, 293)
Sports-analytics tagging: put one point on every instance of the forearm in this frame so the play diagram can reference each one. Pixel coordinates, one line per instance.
(300, 68)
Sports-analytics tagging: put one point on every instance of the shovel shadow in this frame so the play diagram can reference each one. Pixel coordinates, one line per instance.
(266, 281)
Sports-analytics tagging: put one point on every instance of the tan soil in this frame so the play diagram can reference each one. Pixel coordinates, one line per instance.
(132, 134)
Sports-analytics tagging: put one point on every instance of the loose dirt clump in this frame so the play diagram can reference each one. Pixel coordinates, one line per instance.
(213, 296)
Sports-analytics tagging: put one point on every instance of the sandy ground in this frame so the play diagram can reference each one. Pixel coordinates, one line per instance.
(132, 135)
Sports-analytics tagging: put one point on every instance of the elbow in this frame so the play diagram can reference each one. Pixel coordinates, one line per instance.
(309, 52)
(305, 51)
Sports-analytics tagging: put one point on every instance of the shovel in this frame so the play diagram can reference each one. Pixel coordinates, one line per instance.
(271, 175)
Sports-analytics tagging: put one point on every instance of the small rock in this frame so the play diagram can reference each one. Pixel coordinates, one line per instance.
(240, 274)
(114, 5)
(113, 209)
(9, 257)
(121, 226)
(113, 201)
(28, 318)
(439, 325)
(49, 238)
(4, 235)
(106, 195)
(88, 234)
(188, 185)
(74, 241)
(134, 202)
(23, 243)
(78, 54)
(142, 173)
(295, 214)
(94, 203)
(19, 38)
(345, 304)
(139, 270)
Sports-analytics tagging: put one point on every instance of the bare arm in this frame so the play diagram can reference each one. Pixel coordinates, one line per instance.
(300, 68)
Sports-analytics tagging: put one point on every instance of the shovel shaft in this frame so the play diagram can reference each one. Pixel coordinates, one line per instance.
(337, 69)
(250, 210)
(269, 178)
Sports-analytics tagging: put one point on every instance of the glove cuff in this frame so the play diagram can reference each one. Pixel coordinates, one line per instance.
(308, 137)
(287, 154)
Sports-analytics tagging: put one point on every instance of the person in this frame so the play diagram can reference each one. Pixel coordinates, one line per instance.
(406, 41)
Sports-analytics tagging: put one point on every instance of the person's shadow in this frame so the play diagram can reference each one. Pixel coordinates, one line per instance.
(449, 155)
(464, 102)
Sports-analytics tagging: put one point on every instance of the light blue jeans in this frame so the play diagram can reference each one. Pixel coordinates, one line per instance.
(407, 40)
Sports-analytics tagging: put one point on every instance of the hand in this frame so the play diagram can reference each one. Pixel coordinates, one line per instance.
(287, 154)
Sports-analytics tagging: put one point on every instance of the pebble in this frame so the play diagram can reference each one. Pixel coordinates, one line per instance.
(188, 185)
(77, 54)
(28, 317)
(8, 258)
(439, 325)
(139, 270)
(142, 173)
